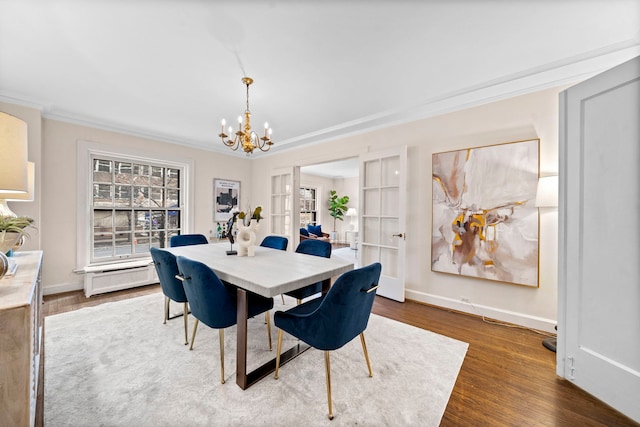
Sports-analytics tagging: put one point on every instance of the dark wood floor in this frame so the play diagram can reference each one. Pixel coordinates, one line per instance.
(507, 378)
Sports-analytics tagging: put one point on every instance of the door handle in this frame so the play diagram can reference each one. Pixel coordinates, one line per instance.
(399, 235)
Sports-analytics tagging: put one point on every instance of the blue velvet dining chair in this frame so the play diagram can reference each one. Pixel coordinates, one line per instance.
(215, 303)
(311, 247)
(167, 268)
(275, 242)
(330, 322)
(188, 239)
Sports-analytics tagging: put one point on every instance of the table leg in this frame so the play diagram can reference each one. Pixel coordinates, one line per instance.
(241, 346)
(326, 284)
(246, 379)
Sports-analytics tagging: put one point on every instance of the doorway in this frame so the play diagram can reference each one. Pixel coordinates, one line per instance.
(316, 181)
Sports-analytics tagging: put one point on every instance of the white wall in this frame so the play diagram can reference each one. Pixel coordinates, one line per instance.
(520, 118)
(58, 223)
(344, 186)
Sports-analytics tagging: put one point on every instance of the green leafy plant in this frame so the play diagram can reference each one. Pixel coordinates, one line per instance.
(337, 206)
(255, 215)
(12, 224)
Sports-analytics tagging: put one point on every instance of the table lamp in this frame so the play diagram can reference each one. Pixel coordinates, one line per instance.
(18, 197)
(13, 164)
(13, 154)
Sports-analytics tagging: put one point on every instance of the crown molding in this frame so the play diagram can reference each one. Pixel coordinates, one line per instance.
(559, 73)
(554, 74)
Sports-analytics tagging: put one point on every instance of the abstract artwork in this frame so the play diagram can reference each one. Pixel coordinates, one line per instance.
(226, 195)
(484, 219)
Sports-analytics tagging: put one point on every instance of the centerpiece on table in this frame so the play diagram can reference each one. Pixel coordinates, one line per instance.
(247, 225)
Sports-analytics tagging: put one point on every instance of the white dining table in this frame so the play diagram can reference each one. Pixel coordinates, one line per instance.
(269, 273)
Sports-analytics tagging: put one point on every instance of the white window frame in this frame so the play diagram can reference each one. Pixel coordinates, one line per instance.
(317, 194)
(86, 151)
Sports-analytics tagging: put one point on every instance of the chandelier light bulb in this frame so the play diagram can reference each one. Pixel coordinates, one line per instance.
(245, 137)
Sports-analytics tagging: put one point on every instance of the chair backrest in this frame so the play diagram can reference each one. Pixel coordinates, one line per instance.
(315, 247)
(211, 302)
(188, 239)
(344, 312)
(167, 268)
(275, 242)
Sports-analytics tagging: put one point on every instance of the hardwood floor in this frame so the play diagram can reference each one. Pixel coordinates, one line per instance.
(507, 378)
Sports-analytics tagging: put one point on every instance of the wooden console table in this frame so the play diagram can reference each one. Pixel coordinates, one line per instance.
(20, 340)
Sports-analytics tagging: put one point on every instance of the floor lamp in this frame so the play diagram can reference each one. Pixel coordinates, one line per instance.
(547, 197)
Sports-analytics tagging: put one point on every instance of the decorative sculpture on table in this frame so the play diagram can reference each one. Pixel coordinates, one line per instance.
(247, 227)
(230, 224)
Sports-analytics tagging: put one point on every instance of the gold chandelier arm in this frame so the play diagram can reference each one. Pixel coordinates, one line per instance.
(244, 137)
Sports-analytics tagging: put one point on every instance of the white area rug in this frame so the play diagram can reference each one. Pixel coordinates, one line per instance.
(117, 365)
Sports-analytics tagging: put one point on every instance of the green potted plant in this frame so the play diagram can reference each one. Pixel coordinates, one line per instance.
(12, 229)
(337, 208)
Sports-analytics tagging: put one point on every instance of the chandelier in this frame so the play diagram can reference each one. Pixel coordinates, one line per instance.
(245, 137)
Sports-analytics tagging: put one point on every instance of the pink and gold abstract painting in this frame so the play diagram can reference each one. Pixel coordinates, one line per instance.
(484, 218)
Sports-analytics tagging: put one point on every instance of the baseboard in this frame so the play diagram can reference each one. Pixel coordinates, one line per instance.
(521, 319)
(61, 288)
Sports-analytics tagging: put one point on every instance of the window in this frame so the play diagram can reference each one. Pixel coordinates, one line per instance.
(135, 205)
(308, 206)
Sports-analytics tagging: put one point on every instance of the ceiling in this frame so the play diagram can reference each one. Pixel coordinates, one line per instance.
(170, 70)
(345, 168)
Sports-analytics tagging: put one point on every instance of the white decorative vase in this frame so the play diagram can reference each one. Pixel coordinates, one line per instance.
(246, 238)
(8, 240)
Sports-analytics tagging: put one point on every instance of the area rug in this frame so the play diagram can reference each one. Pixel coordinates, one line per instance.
(116, 364)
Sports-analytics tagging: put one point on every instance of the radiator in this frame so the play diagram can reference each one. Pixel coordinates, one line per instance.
(114, 277)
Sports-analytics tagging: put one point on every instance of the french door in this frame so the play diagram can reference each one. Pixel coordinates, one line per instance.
(284, 213)
(382, 216)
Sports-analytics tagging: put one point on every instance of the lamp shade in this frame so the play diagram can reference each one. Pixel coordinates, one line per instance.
(13, 154)
(547, 194)
(29, 195)
(351, 212)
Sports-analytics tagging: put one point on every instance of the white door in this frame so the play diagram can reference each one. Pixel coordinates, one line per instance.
(599, 252)
(284, 214)
(382, 216)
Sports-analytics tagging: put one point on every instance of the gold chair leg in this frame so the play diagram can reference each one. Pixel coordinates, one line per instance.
(185, 311)
(278, 353)
(193, 337)
(166, 309)
(299, 301)
(327, 364)
(221, 333)
(366, 354)
(267, 319)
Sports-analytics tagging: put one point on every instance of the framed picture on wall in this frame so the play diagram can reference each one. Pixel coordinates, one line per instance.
(226, 197)
(484, 218)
